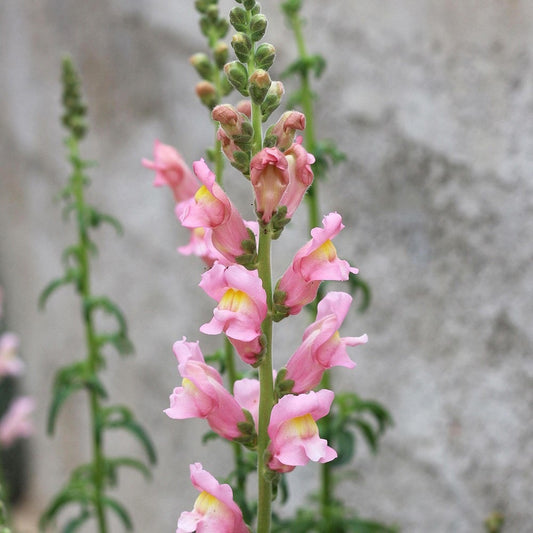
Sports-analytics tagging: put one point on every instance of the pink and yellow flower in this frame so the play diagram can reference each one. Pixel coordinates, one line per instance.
(314, 262)
(16, 422)
(241, 307)
(211, 208)
(322, 347)
(293, 432)
(201, 245)
(172, 171)
(214, 509)
(269, 176)
(202, 393)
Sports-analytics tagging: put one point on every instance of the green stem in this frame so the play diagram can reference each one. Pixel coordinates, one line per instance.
(266, 398)
(93, 356)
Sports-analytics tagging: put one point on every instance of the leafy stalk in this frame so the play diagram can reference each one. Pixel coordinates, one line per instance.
(88, 483)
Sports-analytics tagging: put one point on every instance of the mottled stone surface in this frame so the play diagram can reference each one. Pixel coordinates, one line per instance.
(432, 102)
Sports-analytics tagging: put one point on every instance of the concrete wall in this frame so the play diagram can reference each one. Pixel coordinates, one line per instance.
(432, 101)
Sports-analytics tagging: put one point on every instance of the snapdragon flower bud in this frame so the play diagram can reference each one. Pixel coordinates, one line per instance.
(238, 18)
(264, 56)
(202, 65)
(220, 53)
(207, 93)
(259, 83)
(272, 99)
(258, 25)
(242, 45)
(237, 74)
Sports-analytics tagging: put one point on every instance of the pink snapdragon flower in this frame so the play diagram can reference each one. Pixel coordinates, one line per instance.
(16, 422)
(201, 245)
(322, 346)
(285, 128)
(211, 208)
(241, 307)
(10, 364)
(301, 176)
(269, 176)
(246, 392)
(293, 431)
(202, 393)
(214, 509)
(172, 171)
(314, 262)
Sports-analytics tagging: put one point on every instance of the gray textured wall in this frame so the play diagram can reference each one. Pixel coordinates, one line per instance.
(432, 101)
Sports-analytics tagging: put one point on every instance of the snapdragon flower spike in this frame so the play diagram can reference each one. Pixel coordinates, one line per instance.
(214, 509)
(314, 262)
(16, 422)
(322, 347)
(300, 176)
(269, 175)
(241, 308)
(211, 208)
(202, 393)
(293, 432)
(172, 171)
(10, 364)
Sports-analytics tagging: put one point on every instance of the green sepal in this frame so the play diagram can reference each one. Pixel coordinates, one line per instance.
(282, 386)
(242, 162)
(248, 435)
(279, 309)
(120, 417)
(69, 380)
(249, 258)
(279, 221)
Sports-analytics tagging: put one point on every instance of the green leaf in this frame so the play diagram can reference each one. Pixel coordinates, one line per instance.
(73, 492)
(70, 276)
(358, 284)
(119, 510)
(120, 417)
(96, 218)
(76, 522)
(344, 444)
(208, 436)
(369, 435)
(135, 464)
(69, 380)
(118, 339)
